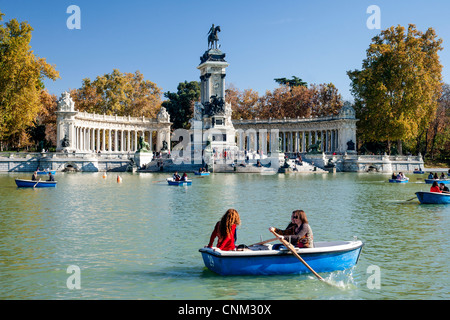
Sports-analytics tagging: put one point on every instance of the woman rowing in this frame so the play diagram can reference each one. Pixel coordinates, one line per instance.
(299, 233)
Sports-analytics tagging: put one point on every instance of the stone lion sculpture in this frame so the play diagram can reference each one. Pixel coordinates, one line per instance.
(142, 145)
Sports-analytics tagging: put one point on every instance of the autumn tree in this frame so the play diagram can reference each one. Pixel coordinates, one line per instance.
(119, 94)
(180, 104)
(21, 82)
(244, 104)
(397, 89)
(437, 141)
(285, 101)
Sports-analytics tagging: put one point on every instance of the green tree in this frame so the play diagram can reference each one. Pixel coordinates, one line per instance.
(397, 89)
(21, 82)
(180, 105)
(294, 82)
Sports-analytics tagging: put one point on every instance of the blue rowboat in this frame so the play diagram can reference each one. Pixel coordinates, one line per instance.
(179, 183)
(262, 260)
(46, 172)
(419, 172)
(444, 181)
(433, 197)
(399, 180)
(35, 184)
(201, 173)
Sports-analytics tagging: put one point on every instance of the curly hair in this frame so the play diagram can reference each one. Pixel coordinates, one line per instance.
(230, 218)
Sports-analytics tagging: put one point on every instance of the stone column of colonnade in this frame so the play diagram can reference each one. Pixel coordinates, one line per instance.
(261, 140)
(112, 140)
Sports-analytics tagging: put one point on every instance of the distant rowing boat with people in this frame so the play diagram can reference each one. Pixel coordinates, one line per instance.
(201, 173)
(46, 172)
(399, 180)
(444, 181)
(172, 182)
(21, 183)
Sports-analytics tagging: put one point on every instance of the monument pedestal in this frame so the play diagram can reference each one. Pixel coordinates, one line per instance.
(143, 158)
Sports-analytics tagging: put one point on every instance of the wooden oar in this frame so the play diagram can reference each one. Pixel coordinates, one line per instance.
(411, 199)
(37, 182)
(291, 248)
(263, 242)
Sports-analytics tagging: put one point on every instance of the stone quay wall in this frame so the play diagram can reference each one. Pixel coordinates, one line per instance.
(89, 162)
(95, 162)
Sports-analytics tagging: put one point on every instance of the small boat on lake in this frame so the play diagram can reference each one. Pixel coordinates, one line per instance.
(444, 181)
(399, 180)
(172, 182)
(201, 173)
(21, 183)
(46, 172)
(418, 172)
(262, 260)
(433, 197)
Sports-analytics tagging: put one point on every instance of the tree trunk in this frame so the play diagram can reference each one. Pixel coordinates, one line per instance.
(400, 147)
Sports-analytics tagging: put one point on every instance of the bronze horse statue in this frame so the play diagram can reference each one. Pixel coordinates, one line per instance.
(213, 37)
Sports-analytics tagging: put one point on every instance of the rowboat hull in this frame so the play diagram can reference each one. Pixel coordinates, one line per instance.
(201, 173)
(418, 172)
(172, 182)
(35, 184)
(433, 197)
(262, 260)
(444, 181)
(398, 181)
(46, 172)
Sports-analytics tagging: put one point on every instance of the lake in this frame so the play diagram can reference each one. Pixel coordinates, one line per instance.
(139, 239)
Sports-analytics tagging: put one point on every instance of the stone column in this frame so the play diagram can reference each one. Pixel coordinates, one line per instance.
(116, 141)
(128, 140)
(104, 140)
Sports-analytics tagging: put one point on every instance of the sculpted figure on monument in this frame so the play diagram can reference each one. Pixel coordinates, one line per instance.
(315, 148)
(65, 142)
(65, 103)
(163, 115)
(142, 145)
(213, 37)
(216, 106)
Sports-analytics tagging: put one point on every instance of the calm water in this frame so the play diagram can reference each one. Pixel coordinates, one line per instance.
(139, 239)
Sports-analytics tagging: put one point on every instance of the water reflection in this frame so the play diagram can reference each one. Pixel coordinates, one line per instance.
(140, 238)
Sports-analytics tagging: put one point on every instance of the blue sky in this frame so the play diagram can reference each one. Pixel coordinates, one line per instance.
(318, 41)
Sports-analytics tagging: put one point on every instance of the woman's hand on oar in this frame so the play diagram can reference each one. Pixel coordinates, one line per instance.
(291, 248)
(37, 182)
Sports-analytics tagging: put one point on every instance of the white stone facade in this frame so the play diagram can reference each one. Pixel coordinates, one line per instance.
(86, 132)
(337, 134)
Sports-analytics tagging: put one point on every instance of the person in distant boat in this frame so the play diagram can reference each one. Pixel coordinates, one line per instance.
(436, 177)
(431, 176)
(444, 188)
(176, 176)
(435, 187)
(34, 176)
(299, 233)
(184, 177)
(50, 177)
(442, 177)
(394, 176)
(225, 231)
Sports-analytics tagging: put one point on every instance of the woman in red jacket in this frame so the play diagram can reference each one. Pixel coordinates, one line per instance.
(435, 187)
(225, 231)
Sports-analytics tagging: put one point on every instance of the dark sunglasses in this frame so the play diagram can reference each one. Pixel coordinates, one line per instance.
(295, 217)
